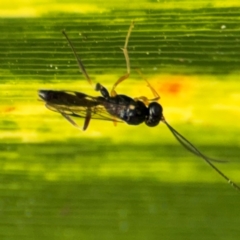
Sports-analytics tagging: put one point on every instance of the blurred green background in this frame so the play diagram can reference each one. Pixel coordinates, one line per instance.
(123, 182)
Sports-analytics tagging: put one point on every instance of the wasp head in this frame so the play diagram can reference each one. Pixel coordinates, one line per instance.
(154, 114)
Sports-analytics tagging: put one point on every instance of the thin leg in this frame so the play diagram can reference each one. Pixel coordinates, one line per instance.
(122, 78)
(105, 94)
(154, 92)
(102, 90)
(125, 52)
(87, 119)
(70, 120)
(79, 61)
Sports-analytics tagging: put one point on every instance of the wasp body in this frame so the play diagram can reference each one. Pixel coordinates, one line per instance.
(115, 107)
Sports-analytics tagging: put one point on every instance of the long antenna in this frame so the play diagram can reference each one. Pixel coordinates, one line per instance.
(185, 143)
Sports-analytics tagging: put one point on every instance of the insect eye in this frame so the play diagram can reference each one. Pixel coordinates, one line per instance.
(155, 114)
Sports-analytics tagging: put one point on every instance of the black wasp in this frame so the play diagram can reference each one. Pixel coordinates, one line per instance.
(116, 107)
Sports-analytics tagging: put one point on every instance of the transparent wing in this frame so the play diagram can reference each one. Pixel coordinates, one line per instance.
(97, 112)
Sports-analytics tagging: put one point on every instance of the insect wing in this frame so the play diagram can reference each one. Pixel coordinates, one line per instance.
(97, 112)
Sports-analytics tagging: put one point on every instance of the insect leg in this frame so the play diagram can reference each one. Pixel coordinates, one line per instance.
(125, 52)
(87, 119)
(70, 120)
(79, 61)
(106, 95)
(102, 90)
(154, 92)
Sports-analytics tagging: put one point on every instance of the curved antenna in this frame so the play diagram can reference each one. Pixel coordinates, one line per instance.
(191, 148)
(79, 61)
